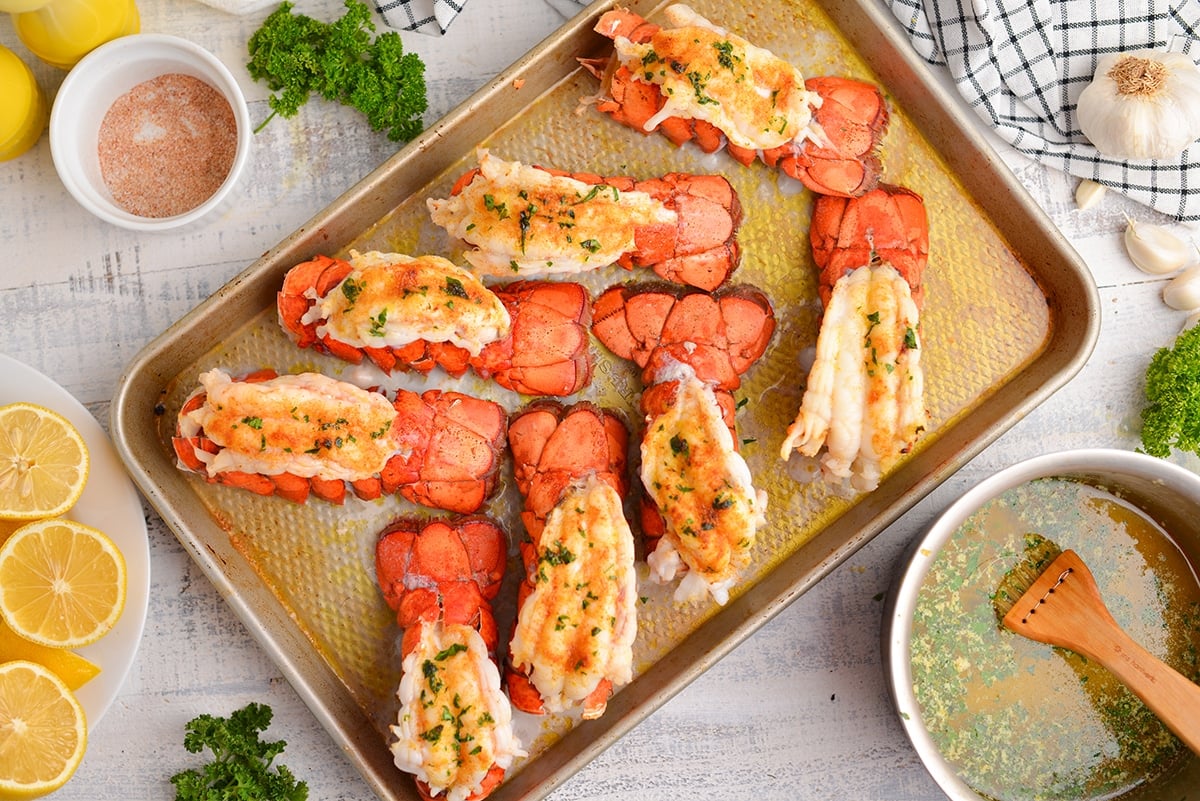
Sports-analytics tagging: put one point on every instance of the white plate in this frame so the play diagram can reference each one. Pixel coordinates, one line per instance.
(110, 503)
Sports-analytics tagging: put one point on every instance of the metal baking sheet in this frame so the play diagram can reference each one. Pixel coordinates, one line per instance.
(1011, 314)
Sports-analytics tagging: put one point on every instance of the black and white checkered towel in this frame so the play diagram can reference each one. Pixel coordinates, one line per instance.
(422, 16)
(1021, 66)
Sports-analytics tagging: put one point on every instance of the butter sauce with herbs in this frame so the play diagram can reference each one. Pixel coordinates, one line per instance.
(1022, 721)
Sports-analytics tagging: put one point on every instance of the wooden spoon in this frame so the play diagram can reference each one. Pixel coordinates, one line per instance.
(1063, 607)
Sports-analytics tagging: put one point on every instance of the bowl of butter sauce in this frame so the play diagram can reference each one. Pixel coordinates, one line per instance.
(997, 717)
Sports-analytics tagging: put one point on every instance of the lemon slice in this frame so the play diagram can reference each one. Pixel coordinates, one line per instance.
(73, 669)
(62, 583)
(42, 728)
(43, 462)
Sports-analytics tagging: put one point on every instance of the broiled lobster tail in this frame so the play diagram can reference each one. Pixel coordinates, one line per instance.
(700, 510)
(572, 643)
(454, 729)
(296, 435)
(405, 313)
(526, 220)
(696, 82)
(863, 405)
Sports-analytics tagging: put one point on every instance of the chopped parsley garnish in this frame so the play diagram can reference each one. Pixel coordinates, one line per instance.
(449, 651)
(489, 203)
(430, 672)
(699, 82)
(725, 55)
(351, 289)
(379, 323)
(558, 555)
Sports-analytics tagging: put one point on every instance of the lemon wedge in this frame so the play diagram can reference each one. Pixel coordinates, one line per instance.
(43, 729)
(73, 669)
(43, 462)
(62, 584)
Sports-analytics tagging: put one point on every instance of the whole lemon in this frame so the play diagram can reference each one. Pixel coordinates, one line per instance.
(64, 31)
(23, 107)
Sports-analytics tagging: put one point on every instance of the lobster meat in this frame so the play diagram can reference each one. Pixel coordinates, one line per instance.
(524, 220)
(700, 510)
(863, 403)
(454, 728)
(573, 639)
(296, 435)
(419, 313)
(695, 81)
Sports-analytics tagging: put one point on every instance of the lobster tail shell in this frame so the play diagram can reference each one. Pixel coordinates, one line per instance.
(720, 335)
(887, 224)
(547, 352)
(442, 570)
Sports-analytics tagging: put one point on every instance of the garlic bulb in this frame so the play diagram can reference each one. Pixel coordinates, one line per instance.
(1154, 249)
(1183, 291)
(1141, 105)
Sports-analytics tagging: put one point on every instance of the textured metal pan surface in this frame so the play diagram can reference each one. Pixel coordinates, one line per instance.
(1010, 315)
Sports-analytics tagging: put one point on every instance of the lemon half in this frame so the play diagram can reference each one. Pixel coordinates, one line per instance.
(62, 583)
(43, 462)
(43, 731)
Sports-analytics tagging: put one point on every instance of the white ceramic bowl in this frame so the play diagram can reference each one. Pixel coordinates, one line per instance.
(104, 75)
(1165, 492)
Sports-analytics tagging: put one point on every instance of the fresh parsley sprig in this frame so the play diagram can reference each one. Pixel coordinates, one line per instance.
(297, 55)
(1171, 417)
(241, 766)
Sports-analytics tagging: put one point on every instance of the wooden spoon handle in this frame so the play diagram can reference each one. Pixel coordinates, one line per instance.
(1168, 693)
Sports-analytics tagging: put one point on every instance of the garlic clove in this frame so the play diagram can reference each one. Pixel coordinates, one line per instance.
(1088, 194)
(1183, 291)
(1155, 249)
(1191, 320)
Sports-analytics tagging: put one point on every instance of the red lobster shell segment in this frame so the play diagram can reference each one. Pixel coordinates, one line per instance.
(547, 352)
(296, 435)
(454, 729)
(887, 224)
(863, 405)
(527, 220)
(695, 81)
(572, 643)
(406, 313)
(699, 510)
(447, 570)
(720, 334)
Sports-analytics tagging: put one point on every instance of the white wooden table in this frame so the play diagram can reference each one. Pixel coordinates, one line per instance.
(799, 711)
